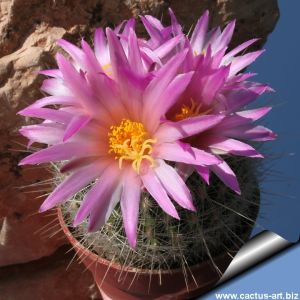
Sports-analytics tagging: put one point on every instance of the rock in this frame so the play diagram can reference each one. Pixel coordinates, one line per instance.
(48, 278)
(25, 235)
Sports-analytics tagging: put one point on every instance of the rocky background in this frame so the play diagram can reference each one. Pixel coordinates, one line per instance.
(35, 261)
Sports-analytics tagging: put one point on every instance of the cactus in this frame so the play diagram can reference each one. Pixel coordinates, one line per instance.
(222, 224)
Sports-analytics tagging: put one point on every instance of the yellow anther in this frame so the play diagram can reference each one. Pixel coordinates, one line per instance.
(128, 141)
(190, 111)
(107, 69)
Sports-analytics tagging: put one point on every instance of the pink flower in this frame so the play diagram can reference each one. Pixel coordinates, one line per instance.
(107, 131)
(216, 88)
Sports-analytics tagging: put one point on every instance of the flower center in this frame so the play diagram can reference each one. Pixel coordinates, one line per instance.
(129, 141)
(190, 111)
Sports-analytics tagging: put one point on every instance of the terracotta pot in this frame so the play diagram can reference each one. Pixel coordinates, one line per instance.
(120, 283)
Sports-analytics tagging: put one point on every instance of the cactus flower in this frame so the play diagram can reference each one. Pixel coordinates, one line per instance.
(135, 114)
(216, 87)
(108, 132)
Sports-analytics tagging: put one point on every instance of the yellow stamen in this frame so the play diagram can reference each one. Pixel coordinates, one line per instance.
(203, 52)
(129, 141)
(107, 69)
(190, 111)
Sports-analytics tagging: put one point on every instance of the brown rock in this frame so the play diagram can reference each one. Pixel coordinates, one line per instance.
(48, 279)
(25, 235)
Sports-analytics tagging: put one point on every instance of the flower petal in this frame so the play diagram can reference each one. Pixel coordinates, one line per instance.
(58, 116)
(77, 84)
(224, 39)
(55, 87)
(43, 133)
(75, 125)
(60, 152)
(101, 47)
(225, 173)
(167, 99)
(98, 198)
(241, 62)
(237, 99)
(222, 145)
(199, 33)
(100, 214)
(174, 185)
(73, 184)
(173, 131)
(184, 153)
(203, 172)
(53, 100)
(130, 201)
(156, 190)
(237, 50)
(75, 52)
(163, 78)
(251, 132)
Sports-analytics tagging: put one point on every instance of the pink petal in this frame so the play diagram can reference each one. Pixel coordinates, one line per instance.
(158, 85)
(251, 132)
(173, 131)
(213, 84)
(75, 125)
(174, 185)
(75, 52)
(130, 201)
(169, 45)
(100, 46)
(77, 163)
(203, 172)
(43, 133)
(222, 145)
(91, 62)
(176, 27)
(225, 173)
(237, 99)
(73, 184)
(156, 190)
(244, 117)
(100, 214)
(190, 155)
(199, 33)
(238, 49)
(77, 84)
(153, 32)
(54, 100)
(117, 54)
(129, 25)
(241, 62)
(134, 55)
(154, 111)
(98, 198)
(47, 114)
(225, 37)
(59, 152)
(55, 87)
(254, 114)
(56, 73)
